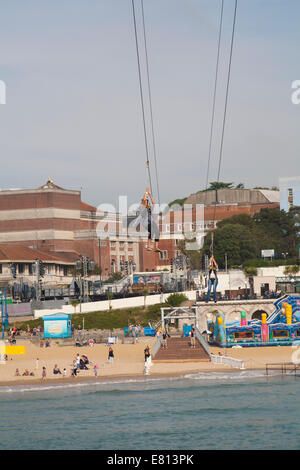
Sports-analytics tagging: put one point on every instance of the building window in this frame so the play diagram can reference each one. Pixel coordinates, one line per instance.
(179, 228)
(113, 245)
(0, 268)
(167, 228)
(163, 254)
(21, 268)
(65, 270)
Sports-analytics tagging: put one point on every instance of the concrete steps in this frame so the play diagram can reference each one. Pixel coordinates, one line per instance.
(180, 350)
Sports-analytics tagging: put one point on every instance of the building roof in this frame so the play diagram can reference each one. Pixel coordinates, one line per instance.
(50, 185)
(19, 253)
(234, 196)
(87, 207)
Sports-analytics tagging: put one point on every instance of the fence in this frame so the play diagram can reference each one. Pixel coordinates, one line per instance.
(230, 361)
(156, 346)
(202, 341)
(127, 302)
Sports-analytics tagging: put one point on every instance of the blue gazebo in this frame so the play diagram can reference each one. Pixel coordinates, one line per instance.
(57, 325)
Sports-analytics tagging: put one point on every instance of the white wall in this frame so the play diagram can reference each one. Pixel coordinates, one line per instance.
(115, 303)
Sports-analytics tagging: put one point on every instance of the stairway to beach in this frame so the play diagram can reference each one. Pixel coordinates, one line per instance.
(179, 350)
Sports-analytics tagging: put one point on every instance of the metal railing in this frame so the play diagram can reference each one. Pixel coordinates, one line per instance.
(202, 341)
(230, 361)
(156, 346)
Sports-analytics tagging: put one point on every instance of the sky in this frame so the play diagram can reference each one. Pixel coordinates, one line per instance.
(73, 110)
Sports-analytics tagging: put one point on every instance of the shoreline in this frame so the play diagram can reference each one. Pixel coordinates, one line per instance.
(128, 364)
(113, 377)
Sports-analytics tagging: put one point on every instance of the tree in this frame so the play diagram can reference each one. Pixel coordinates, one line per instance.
(74, 303)
(145, 293)
(291, 270)
(219, 185)
(234, 239)
(176, 299)
(110, 296)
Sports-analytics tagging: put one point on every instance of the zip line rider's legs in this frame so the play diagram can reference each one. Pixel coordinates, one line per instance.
(215, 289)
(209, 286)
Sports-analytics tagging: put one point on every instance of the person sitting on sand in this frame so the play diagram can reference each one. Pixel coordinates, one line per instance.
(56, 370)
(17, 373)
(47, 344)
(82, 365)
(26, 372)
(85, 359)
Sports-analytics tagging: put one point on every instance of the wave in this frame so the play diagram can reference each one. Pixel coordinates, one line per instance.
(245, 374)
(80, 385)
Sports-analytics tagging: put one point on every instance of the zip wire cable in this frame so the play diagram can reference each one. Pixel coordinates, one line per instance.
(150, 101)
(141, 95)
(227, 89)
(215, 93)
(226, 98)
(226, 105)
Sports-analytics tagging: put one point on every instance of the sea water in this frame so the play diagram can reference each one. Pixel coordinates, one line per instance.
(242, 410)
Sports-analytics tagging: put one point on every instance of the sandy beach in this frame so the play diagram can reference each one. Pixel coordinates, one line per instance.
(128, 362)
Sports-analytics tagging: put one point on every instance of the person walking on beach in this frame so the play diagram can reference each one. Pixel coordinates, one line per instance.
(147, 352)
(44, 373)
(96, 370)
(37, 363)
(111, 355)
(164, 340)
(192, 336)
(74, 369)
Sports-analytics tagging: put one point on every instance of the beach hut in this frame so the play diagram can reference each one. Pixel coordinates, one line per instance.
(57, 326)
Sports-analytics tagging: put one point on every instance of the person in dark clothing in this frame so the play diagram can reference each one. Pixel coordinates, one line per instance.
(111, 355)
(147, 352)
(212, 279)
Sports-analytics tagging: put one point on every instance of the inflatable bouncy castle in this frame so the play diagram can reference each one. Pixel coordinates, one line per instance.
(282, 327)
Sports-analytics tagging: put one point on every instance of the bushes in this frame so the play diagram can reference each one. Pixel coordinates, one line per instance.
(175, 300)
(108, 320)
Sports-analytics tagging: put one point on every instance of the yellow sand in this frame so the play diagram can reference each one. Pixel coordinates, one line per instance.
(128, 361)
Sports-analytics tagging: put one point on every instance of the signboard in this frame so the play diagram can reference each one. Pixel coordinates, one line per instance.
(146, 279)
(19, 310)
(267, 253)
(57, 328)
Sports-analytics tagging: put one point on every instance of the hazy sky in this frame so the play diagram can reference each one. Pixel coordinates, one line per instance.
(73, 108)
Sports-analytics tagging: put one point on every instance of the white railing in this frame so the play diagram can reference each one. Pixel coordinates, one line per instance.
(156, 346)
(230, 361)
(202, 341)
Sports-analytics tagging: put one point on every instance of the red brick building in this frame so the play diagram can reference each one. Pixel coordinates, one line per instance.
(55, 220)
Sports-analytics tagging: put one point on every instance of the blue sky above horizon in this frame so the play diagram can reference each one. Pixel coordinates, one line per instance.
(73, 111)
